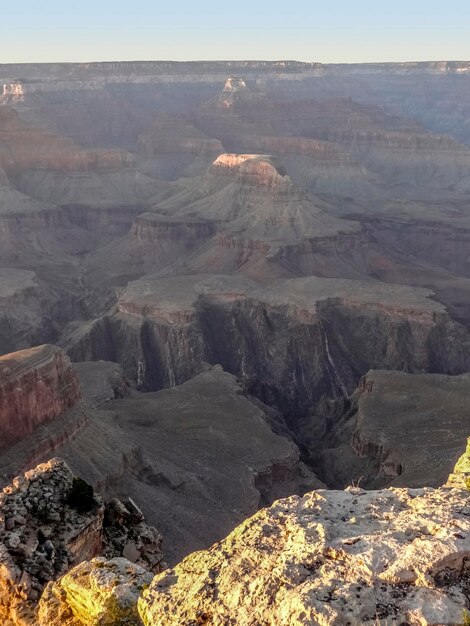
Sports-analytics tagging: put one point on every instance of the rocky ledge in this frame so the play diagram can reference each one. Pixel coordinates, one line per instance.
(36, 386)
(50, 521)
(396, 556)
(339, 557)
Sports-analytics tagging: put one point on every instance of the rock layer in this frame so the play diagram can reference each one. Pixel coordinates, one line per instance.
(36, 386)
(351, 557)
(396, 429)
(293, 341)
(50, 523)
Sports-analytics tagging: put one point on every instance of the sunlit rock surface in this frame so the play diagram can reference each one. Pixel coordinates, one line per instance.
(50, 521)
(96, 593)
(345, 557)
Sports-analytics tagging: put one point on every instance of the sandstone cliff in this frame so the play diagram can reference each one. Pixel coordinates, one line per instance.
(36, 386)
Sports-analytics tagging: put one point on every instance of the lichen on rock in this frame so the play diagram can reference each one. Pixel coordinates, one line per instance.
(460, 477)
(95, 593)
(331, 557)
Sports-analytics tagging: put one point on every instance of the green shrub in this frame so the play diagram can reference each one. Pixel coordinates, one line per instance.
(81, 496)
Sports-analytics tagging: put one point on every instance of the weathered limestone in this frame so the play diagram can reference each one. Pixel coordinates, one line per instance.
(46, 529)
(460, 477)
(340, 557)
(95, 593)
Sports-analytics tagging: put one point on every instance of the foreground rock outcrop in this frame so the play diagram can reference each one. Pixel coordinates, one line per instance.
(347, 557)
(96, 593)
(36, 386)
(396, 556)
(50, 521)
(460, 477)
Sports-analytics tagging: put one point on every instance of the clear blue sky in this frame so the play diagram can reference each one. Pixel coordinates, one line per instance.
(326, 31)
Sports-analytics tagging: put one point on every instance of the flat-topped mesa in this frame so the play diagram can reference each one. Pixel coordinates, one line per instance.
(36, 386)
(23, 147)
(253, 169)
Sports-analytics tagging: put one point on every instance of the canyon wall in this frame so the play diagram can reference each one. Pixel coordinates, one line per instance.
(292, 344)
(36, 386)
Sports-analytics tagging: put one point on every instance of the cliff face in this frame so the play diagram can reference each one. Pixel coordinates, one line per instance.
(48, 526)
(36, 386)
(25, 147)
(397, 429)
(356, 557)
(337, 330)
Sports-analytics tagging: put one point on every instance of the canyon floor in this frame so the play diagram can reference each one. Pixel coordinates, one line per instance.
(222, 284)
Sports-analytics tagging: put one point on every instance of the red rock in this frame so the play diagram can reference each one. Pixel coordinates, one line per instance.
(36, 386)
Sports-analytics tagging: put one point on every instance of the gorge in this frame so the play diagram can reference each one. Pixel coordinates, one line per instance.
(234, 301)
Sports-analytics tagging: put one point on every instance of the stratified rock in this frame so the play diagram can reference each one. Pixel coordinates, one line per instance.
(28, 307)
(50, 521)
(41, 535)
(351, 557)
(293, 341)
(101, 381)
(23, 147)
(208, 458)
(174, 147)
(198, 459)
(96, 593)
(36, 386)
(396, 429)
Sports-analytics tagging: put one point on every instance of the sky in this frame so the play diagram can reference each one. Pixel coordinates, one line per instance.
(329, 31)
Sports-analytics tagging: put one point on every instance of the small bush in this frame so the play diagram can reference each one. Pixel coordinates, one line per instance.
(81, 496)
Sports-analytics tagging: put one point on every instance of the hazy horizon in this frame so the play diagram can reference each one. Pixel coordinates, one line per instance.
(344, 32)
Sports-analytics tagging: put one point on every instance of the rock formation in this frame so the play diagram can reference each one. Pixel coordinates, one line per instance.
(50, 522)
(396, 429)
(226, 249)
(350, 556)
(461, 474)
(101, 381)
(391, 556)
(339, 329)
(95, 593)
(36, 386)
(144, 445)
(24, 147)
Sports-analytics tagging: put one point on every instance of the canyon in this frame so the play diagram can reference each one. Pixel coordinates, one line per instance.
(228, 283)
